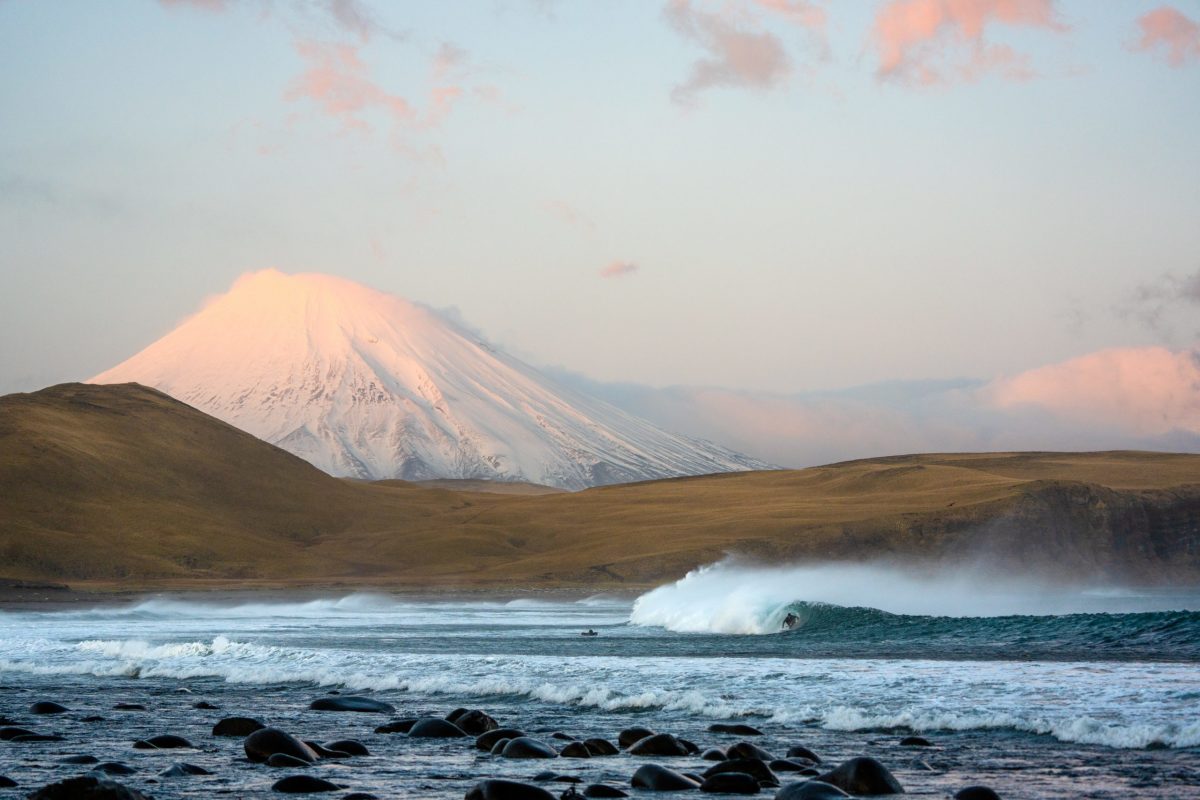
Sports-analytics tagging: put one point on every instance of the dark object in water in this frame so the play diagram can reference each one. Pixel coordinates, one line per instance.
(237, 726)
(87, 787)
(915, 741)
(507, 790)
(660, 779)
(47, 707)
(262, 744)
(977, 793)
(303, 784)
(600, 790)
(735, 729)
(731, 783)
(183, 770)
(810, 790)
(589, 632)
(863, 775)
(363, 705)
(434, 728)
(167, 741)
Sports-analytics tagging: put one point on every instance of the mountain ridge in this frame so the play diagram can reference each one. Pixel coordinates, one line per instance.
(122, 486)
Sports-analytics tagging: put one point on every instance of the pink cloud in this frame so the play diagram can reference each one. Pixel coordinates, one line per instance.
(447, 60)
(1167, 29)
(921, 42)
(1147, 391)
(739, 54)
(337, 80)
(619, 269)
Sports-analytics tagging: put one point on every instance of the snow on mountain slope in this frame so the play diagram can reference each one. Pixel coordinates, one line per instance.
(366, 384)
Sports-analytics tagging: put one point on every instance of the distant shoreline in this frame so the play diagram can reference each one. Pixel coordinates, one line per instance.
(18, 595)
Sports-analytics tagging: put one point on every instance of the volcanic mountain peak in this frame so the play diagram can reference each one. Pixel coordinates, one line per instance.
(365, 384)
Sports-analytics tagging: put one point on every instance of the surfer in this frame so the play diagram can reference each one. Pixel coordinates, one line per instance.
(589, 632)
(790, 621)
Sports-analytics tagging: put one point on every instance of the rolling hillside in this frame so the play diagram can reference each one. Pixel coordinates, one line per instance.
(120, 485)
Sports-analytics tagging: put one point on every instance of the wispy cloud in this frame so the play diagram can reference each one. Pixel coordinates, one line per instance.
(571, 215)
(740, 51)
(619, 269)
(1169, 32)
(1153, 302)
(338, 82)
(933, 42)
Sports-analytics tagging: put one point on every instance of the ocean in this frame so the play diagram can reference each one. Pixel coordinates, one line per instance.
(1100, 700)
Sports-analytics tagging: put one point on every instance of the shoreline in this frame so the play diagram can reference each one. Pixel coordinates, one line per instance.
(16, 595)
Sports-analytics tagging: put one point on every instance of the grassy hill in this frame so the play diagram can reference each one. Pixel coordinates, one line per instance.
(108, 486)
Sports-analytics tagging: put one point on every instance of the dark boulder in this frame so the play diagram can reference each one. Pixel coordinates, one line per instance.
(810, 790)
(751, 766)
(363, 705)
(499, 746)
(351, 747)
(78, 760)
(915, 741)
(167, 741)
(976, 793)
(601, 747)
(303, 784)
(799, 766)
(659, 744)
(38, 737)
(527, 747)
(114, 768)
(183, 770)
(47, 707)
(747, 750)
(714, 754)
(87, 787)
(129, 707)
(324, 752)
(507, 790)
(863, 775)
(7, 782)
(237, 726)
(434, 728)
(563, 737)
(736, 730)
(731, 783)
(691, 747)
(398, 726)
(800, 751)
(8, 734)
(575, 750)
(600, 790)
(630, 736)
(455, 714)
(204, 705)
(476, 722)
(360, 796)
(488, 740)
(549, 776)
(262, 744)
(660, 779)
(284, 761)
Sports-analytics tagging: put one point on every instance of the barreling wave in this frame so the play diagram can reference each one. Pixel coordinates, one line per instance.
(906, 616)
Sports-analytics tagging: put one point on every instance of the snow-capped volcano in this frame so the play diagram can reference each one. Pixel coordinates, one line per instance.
(368, 385)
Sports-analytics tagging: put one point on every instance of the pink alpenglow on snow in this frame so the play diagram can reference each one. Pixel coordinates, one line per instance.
(367, 384)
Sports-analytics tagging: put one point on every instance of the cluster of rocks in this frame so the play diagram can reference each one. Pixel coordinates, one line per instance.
(742, 768)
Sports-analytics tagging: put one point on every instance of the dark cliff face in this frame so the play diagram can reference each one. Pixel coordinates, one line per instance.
(1084, 532)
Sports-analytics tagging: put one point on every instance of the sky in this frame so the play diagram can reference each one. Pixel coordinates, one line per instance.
(775, 197)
